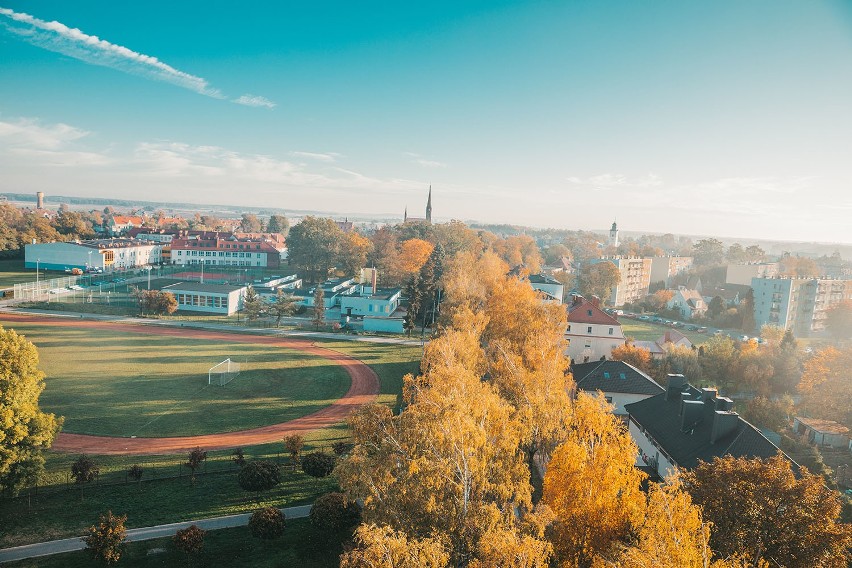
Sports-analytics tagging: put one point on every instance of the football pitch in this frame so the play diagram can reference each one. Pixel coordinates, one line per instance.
(134, 384)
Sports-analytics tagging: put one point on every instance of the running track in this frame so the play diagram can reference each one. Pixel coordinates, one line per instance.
(363, 390)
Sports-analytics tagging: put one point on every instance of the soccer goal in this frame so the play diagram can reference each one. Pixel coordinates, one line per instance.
(223, 373)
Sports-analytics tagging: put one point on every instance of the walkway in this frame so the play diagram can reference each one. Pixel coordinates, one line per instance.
(140, 534)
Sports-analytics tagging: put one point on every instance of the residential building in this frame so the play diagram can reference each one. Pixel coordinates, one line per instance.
(797, 304)
(663, 268)
(551, 288)
(658, 348)
(592, 333)
(226, 249)
(689, 303)
(121, 224)
(743, 273)
(685, 425)
(620, 383)
(105, 254)
(635, 278)
(207, 298)
(821, 432)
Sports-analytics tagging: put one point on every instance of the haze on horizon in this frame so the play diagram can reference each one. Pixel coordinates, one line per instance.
(722, 118)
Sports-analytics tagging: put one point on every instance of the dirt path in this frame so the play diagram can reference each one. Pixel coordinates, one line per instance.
(363, 390)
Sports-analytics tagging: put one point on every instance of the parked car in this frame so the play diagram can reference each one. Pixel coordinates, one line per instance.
(701, 330)
(691, 327)
(644, 318)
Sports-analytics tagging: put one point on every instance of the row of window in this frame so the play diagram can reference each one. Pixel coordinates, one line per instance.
(223, 262)
(213, 253)
(201, 301)
(589, 330)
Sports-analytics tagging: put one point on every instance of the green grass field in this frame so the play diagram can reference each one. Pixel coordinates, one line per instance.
(151, 385)
(648, 331)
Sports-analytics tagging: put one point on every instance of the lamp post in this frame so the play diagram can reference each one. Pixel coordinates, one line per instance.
(148, 268)
(38, 287)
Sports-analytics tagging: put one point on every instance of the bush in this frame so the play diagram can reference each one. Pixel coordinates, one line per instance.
(267, 523)
(334, 511)
(239, 457)
(106, 539)
(259, 476)
(318, 464)
(190, 540)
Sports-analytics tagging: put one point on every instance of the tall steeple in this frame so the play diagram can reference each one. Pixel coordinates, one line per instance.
(613, 235)
(429, 206)
(405, 215)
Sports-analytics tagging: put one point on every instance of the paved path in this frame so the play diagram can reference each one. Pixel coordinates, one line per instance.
(140, 534)
(363, 390)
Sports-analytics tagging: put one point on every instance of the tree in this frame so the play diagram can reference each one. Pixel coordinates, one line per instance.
(736, 254)
(354, 249)
(519, 250)
(826, 387)
(334, 511)
(105, 541)
(708, 252)
(319, 307)
(798, 267)
(716, 306)
(239, 457)
(839, 320)
(284, 305)
(428, 284)
(72, 226)
(718, 357)
(771, 414)
(253, 304)
(190, 540)
(194, 461)
(599, 279)
(294, 444)
(382, 547)
(249, 223)
(761, 510)
(267, 523)
(257, 476)
(314, 246)
(318, 464)
(755, 254)
(592, 485)
(84, 470)
(135, 473)
(632, 355)
(156, 302)
(679, 359)
(24, 429)
(278, 224)
(413, 254)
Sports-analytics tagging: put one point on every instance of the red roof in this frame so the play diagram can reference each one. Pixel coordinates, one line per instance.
(582, 310)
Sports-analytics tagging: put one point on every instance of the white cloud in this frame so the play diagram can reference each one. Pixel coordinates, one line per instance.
(424, 162)
(319, 156)
(254, 101)
(29, 133)
(58, 37)
(612, 181)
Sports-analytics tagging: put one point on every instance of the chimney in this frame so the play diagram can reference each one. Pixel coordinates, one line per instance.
(40, 199)
(708, 394)
(724, 423)
(675, 386)
(724, 403)
(690, 413)
(596, 302)
(373, 280)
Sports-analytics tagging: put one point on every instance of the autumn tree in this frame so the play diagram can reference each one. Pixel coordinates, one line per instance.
(319, 307)
(294, 443)
(384, 251)
(253, 304)
(190, 541)
(519, 250)
(354, 249)
(24, 429)
(267, 523)
(455, 237)
(249, 223)
(383, 547)
(194, 461)
(826, 386)
(84, 470)
(413, 254)
(105, 541)
(838, 320)
(639, 357)
(278, 224)
(760, 509)
(156, 302)
(592, 485)
(314, 246)
(798, 267)
(599, 279)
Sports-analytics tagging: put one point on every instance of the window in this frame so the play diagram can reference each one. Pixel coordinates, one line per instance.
(569, 328)
(610, 331)
(589, 312)
(608, 399)
(589, 329)
(622, 376)
(606, 374)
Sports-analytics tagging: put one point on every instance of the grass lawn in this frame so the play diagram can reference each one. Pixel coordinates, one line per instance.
(12, 272)
(648, 331)
(151, 385)
(301, 545)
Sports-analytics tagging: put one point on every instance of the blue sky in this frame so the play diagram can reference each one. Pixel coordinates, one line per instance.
(729, 118)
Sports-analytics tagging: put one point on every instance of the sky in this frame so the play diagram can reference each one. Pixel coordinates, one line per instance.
(725, 118)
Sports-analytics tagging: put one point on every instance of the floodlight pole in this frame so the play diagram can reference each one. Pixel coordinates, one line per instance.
(38, 290)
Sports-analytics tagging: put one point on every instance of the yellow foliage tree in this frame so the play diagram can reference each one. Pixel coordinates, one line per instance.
(632, 355)
(413, 254)
(383, 547)
(826, 385)
(591, 484)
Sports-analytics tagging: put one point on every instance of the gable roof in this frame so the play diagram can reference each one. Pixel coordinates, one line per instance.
(672, 336)
(614, 376)
(688, 441)
(581, 310)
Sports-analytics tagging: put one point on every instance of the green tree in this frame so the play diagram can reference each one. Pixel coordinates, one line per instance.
(599, 279)
(257, 476)
(314, 246)
(253, 304)
(318, 464)
(334, 511)
(294, 444)
(716, 306)
(135, 473)
(428, 284)
(267, 523)
(190, 541)
(195, 459)
(24, 429)
(718, 357)
(708, 252)
(755, 254)
(736, 254)
(278, 224)
(84, 470)
(105, 541)
(284, 305)
(319, 307)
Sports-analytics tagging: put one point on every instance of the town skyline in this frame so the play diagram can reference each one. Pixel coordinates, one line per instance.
(728, 121)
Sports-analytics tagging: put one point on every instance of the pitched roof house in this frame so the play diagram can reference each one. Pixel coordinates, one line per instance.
(688, 302)
(620, 382)
(685, 424)
(592, 333)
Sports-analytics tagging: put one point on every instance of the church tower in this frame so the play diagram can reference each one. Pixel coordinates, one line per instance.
(429, 206)
(613, 235)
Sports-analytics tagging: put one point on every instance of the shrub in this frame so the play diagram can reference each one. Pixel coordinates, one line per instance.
(106, 539)
(190, 540)
(334, 511)
(294, 444)
(239, 457)
(259, 476)
(267, 523)
(318, 464)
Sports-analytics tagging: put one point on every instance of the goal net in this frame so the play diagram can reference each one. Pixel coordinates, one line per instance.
(223, 373)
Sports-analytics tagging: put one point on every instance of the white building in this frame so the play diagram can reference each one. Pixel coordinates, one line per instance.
(105, 254)
(592, 333)
(207, 298)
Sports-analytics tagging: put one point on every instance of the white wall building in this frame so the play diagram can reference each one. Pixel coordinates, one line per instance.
(592, 333)
(207, 298)
(105, 254)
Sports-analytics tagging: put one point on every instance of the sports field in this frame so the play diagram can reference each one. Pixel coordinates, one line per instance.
(136, 384)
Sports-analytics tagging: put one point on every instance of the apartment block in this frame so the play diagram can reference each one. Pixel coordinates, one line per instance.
(663, 268)
(797, 304)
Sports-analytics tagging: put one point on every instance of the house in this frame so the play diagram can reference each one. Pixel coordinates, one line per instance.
(592, 333)
(551, 288)
(658, 348)
(105, 254)
(685, 425)
(207, 298)
(822, 432)
(688, 302)
(620, 383)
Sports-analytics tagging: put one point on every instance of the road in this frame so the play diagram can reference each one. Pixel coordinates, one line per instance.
(135, 535)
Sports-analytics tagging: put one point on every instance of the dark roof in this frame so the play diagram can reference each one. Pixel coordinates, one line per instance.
(614, 376)
(199, 287)
(688, 443)
(543, 279)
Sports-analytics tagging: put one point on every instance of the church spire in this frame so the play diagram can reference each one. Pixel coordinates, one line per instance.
(405, 215)
(429, 206)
